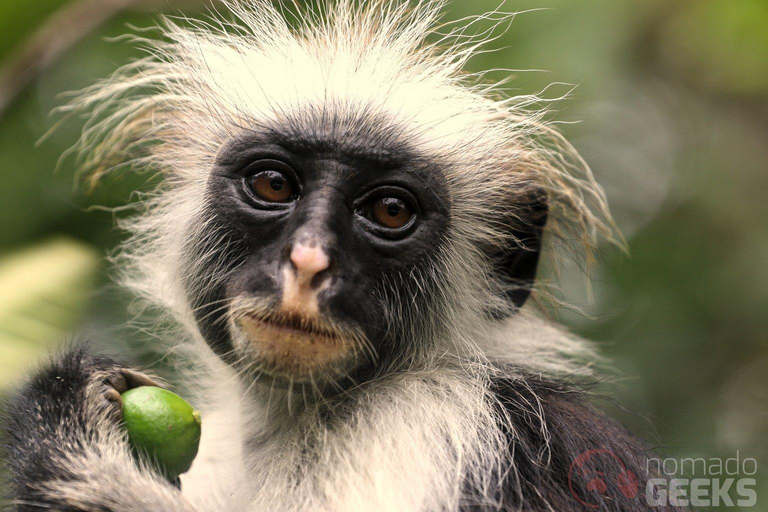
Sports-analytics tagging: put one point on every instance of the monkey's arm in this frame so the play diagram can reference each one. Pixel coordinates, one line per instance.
(66, 448)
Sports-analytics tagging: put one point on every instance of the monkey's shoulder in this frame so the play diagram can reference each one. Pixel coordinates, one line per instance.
(564, 453)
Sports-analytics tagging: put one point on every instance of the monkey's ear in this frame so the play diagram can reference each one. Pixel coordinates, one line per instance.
(516, 263)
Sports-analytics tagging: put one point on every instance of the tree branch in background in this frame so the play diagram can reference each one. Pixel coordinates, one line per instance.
(57, 35)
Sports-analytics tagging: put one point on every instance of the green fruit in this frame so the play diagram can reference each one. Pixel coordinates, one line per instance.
(162, 427)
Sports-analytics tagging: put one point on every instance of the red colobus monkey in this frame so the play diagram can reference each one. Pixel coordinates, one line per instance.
(347, 232)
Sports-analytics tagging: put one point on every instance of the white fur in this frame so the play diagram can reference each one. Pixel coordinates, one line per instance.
(409, 440)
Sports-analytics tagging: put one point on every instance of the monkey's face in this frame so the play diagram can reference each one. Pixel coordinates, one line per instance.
(315, 242)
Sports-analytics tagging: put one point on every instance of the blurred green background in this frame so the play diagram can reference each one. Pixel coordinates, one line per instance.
(670, 109)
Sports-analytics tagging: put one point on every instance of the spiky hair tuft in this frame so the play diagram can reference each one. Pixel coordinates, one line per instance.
(205, 82)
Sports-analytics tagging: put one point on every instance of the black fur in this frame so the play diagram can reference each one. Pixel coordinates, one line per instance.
(561, 446)
(47, 419)
(53, 396)
(519, 261)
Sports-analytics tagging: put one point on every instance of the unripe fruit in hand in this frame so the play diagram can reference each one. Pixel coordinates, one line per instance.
(162, 427)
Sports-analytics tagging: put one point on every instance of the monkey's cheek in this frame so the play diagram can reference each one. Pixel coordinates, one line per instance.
(294, 354)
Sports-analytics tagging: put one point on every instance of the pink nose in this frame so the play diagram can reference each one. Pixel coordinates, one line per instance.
(309, 261)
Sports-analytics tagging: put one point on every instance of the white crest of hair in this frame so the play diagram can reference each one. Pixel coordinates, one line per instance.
(414, 438)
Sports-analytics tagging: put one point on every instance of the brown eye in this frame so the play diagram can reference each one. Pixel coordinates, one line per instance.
(272, 186)
(391, 212)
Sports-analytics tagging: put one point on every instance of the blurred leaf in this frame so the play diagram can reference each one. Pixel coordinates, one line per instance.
(43, 294)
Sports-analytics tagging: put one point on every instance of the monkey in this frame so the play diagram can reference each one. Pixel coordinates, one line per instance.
(339, 261)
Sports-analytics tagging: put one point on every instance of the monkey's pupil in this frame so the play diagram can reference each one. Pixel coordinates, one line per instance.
(272, 186)
(390, 212)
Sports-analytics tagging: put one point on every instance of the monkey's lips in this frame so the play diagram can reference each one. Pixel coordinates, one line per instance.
(295, 347)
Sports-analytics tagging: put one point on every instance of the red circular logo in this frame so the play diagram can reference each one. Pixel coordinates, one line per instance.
(602, 470)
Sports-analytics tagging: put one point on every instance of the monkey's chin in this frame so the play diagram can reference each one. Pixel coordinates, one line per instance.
(296, 351)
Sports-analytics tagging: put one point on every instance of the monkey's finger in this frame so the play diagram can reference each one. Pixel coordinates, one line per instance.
(117, 382)
(136, 379)
(113, 396)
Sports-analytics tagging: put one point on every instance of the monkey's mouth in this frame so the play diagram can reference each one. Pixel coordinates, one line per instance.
(294, 346)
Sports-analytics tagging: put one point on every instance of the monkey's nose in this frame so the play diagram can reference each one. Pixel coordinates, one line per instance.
(310, 263)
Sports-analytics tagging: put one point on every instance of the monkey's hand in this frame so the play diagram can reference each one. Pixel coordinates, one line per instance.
(67, 449)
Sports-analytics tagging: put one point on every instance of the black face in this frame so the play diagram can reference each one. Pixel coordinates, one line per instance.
(312, 235)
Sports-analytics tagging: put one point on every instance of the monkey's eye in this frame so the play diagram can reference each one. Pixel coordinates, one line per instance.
(272, 186)
(391, 212)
